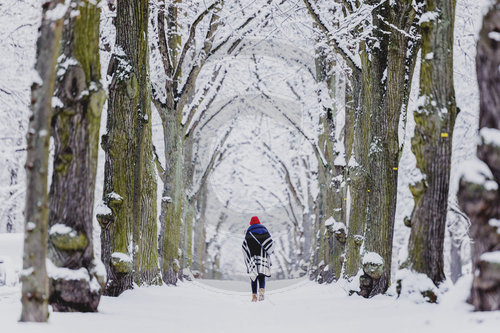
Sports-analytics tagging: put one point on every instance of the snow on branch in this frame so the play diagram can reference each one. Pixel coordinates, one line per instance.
(349, 58)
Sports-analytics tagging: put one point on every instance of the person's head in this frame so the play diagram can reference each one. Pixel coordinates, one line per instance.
(254, 220)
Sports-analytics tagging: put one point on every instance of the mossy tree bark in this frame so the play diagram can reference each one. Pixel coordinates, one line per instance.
(200, 236)
(173, 197)
(392, 63)
(481, 200)
(189, 211)
(432, 142)
(356, 123)
(358, 179)
(35, 293)
(129, 232)
(332, 185)
(76, 123)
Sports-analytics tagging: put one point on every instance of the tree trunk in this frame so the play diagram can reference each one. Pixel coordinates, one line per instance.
(478, 196)
(359, 122)
(455, 260)
(432, 142)
(76, 125)
(331, 203)
(129, 236)
(376, 161)
(173, 197)
(388, 59)
(189, 213)
(35, 293)
(199, 237)
(385, 150)
(383, 79)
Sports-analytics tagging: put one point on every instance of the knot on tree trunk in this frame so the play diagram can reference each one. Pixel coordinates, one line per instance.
(337, 229)
(340, 235)
(80, 293)
(358, 240)
(106, 215)
(373, 268)
(122, 263)
(74, 84)
(418, 189)
(407, 221)
(73, 241)
(63, 159)
(74, 295)
(105, 142)
(113, 200)
(105, 219)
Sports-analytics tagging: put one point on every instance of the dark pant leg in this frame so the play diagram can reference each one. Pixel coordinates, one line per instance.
(262, 281)
(254, 286)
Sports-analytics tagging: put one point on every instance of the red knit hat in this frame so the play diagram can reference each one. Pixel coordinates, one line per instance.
(254, 220)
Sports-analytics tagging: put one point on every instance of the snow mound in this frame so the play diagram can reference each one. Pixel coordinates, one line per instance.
(372, 258)
(61, 229)
(120, 256)
(492, 257)
(477, 172)
(416, 287)
(490, 136)
(61, 273)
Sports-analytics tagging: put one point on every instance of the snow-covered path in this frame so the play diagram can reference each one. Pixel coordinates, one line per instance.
(290, 306)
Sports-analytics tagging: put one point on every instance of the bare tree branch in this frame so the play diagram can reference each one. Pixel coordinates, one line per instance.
(159, 167)
(5, 91)
(288, 179)
(192, 35)
(162, 42)
(202, 59)
(157, 102)
(190, 128)
(241, 27)
(217, 113)
(347, 58)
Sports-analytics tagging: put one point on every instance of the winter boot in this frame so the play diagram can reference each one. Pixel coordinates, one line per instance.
(254, 297)
(261, 294)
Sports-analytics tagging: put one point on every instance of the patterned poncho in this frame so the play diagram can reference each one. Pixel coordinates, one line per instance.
(257, 247)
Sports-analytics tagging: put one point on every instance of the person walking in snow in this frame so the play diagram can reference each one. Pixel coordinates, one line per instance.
(257, 248)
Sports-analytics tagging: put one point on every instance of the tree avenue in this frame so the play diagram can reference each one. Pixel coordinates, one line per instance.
(198, 65)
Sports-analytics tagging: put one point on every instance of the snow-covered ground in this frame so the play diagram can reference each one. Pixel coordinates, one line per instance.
(11, 249)
(290, 306)
(224, 306)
